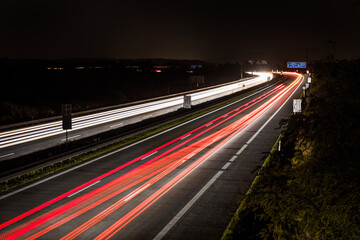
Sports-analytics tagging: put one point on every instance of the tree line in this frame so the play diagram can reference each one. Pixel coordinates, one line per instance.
(311, 188)
(34, 89)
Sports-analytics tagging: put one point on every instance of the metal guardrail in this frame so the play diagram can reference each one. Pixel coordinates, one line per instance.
(97, 110)
(127, 115)
(50, 159)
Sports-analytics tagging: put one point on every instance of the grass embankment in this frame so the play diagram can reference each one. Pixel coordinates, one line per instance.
(33, 175)
(310, 189)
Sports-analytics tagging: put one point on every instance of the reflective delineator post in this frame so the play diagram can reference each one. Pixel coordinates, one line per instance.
(66, 110)
(187, 101)
(279, 147)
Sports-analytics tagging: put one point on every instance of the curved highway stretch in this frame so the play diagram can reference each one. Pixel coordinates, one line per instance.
(181, 184)
(23, 141)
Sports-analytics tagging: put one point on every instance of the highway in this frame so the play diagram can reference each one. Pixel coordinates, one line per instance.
(19, 142)
(183, 183)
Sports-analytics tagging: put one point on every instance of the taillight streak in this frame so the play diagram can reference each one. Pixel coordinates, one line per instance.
(215, 138)
(210, 139)
(247, 105)
(122, 222)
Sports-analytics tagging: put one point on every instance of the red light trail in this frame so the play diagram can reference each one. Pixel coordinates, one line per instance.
(245, 106)
(143, 177)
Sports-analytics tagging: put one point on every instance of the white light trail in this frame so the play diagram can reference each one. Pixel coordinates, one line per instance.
(28, 134)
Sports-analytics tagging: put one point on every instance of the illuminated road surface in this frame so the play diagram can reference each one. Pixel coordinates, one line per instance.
(151, 190)
(18, 142)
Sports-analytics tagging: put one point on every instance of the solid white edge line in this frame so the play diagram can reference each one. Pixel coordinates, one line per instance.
(7, 155)
(182, 212)
(128, 146)
(263, 126)
(64, 139)
(91, 120)
(84, 189)
(116, 125)
(178, 216)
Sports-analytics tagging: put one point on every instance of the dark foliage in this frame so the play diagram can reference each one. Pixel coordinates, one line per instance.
(34, 89)
(311, 189)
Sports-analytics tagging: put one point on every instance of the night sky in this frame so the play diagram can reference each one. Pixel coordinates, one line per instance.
(207, 30)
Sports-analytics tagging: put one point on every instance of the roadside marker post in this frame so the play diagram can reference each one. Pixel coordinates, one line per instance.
(187, 101)
(279, 148)
(66, 110)
(297, 106)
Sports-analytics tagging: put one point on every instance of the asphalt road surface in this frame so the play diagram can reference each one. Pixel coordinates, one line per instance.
(19, 142)
(181, 184)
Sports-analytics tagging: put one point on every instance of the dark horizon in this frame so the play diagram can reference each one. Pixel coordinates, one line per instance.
(204, 30)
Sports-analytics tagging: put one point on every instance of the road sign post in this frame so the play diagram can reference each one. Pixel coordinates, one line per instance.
(187, 101)
(297, 106)
(66, 110)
